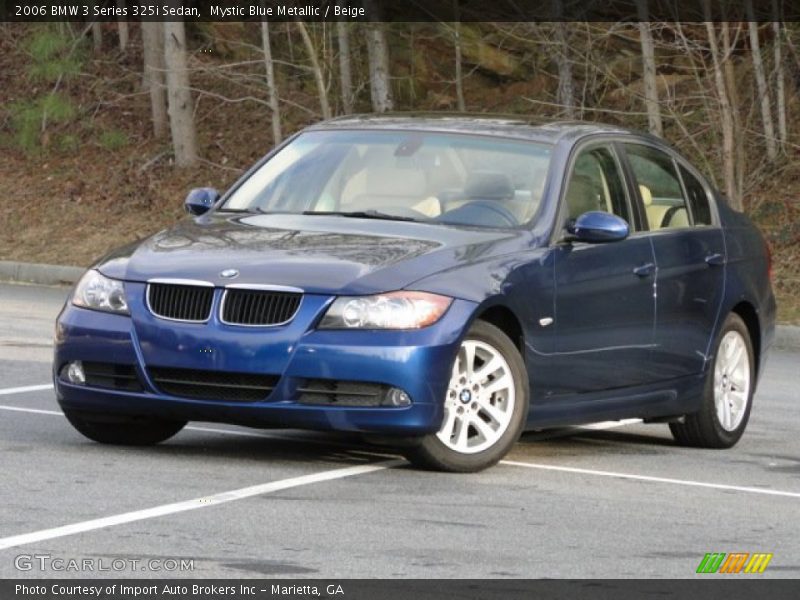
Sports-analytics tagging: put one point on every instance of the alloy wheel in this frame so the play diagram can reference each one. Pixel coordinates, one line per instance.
(480, 399)
(731, 381)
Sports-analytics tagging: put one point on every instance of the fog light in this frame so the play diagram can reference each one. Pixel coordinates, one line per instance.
(397, 397)
(75, 372)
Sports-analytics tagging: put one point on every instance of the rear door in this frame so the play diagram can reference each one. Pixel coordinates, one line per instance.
(690, 256)
(604, 305)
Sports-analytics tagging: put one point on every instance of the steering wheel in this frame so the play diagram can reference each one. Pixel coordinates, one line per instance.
(404, 211)
(478, 212)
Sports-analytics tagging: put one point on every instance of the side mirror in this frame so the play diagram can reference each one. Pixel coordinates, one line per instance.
(596, 227)
(200, 200)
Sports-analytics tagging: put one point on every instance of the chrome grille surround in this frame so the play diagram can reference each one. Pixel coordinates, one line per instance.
(180, 299)
(275, 305)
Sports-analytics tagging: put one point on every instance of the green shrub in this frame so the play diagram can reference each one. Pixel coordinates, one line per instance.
(113, 139)
(53, 55)
(69, 142)
(29, 118)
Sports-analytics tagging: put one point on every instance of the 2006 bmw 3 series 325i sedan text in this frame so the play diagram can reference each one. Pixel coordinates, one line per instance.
(441, 284)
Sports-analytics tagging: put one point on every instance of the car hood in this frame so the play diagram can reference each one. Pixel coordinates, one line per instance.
(318, 254)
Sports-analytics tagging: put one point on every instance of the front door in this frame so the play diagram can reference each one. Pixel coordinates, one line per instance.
(604, 293)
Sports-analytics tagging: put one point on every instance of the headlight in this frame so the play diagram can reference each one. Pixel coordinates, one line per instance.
(98, 292)
(393, 310)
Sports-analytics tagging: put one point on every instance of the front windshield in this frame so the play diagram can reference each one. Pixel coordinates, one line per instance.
(435, 177)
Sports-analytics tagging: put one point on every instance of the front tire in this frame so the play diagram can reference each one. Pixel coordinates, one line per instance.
(107, 429)
(727, 395)
(485, 407)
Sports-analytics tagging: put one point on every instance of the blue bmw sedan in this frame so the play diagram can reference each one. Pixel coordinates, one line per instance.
(437, 283)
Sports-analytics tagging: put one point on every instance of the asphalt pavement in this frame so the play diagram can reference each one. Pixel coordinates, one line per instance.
(607, 501)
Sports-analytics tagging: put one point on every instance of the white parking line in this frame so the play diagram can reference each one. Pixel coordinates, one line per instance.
(37, 411)
(27, 388)
(195, 503)
(593, 472)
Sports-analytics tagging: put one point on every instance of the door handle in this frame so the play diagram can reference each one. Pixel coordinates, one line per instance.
(645, 269)
(715, 260)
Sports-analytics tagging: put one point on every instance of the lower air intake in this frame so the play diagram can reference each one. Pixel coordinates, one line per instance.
(213, 385)
(341, 393)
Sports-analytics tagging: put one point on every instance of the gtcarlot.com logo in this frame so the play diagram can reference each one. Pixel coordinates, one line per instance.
(48, 562)
(735, 562)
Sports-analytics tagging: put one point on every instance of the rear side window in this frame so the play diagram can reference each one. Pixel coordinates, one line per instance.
(698, 199)
(659, 187)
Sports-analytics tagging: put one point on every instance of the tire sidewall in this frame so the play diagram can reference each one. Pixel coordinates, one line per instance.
(116, 430)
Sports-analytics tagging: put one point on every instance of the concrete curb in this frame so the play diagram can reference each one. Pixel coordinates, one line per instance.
(20, 272)
(786, 336)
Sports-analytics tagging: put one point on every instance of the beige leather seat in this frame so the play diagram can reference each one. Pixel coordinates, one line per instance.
(389, 186)
(662, 216)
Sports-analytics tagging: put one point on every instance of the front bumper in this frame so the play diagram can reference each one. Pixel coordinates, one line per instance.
(417, 362)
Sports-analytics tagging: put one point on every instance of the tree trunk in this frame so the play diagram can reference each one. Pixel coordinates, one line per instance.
(457, 43)
(181, 107)
(565, 96)
(97, 37)
(316, 69)
(378, 56)
(733, 98)
(649, 74)
(272, 89)
(566, 89)
(153, 45)
(345, 74)
(725, 113)
(780, 91)
(761, 84)
(122, 28)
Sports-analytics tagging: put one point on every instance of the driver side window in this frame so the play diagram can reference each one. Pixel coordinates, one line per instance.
(596, 184)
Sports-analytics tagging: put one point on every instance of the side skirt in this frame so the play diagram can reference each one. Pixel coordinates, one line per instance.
(668, 399)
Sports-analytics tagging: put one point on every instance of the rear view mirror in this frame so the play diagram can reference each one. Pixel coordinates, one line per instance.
(200, 200)
(596, 227)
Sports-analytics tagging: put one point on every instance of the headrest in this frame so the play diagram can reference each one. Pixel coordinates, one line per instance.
(394, 181)
(488, 185)
(647, 195)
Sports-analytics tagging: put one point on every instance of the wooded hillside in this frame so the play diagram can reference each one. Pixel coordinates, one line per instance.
(105, 127)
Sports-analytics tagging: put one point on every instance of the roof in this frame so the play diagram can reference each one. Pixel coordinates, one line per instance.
(482, 124)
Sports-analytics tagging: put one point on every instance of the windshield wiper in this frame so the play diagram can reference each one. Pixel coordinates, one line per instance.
(257, 210)
(360, 214)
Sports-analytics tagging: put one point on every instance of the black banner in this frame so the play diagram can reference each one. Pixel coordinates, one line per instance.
(399, 10)
(731, 588)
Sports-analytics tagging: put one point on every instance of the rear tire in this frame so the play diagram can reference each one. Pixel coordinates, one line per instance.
(107, 429)
(727, 394)
(485, 407)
